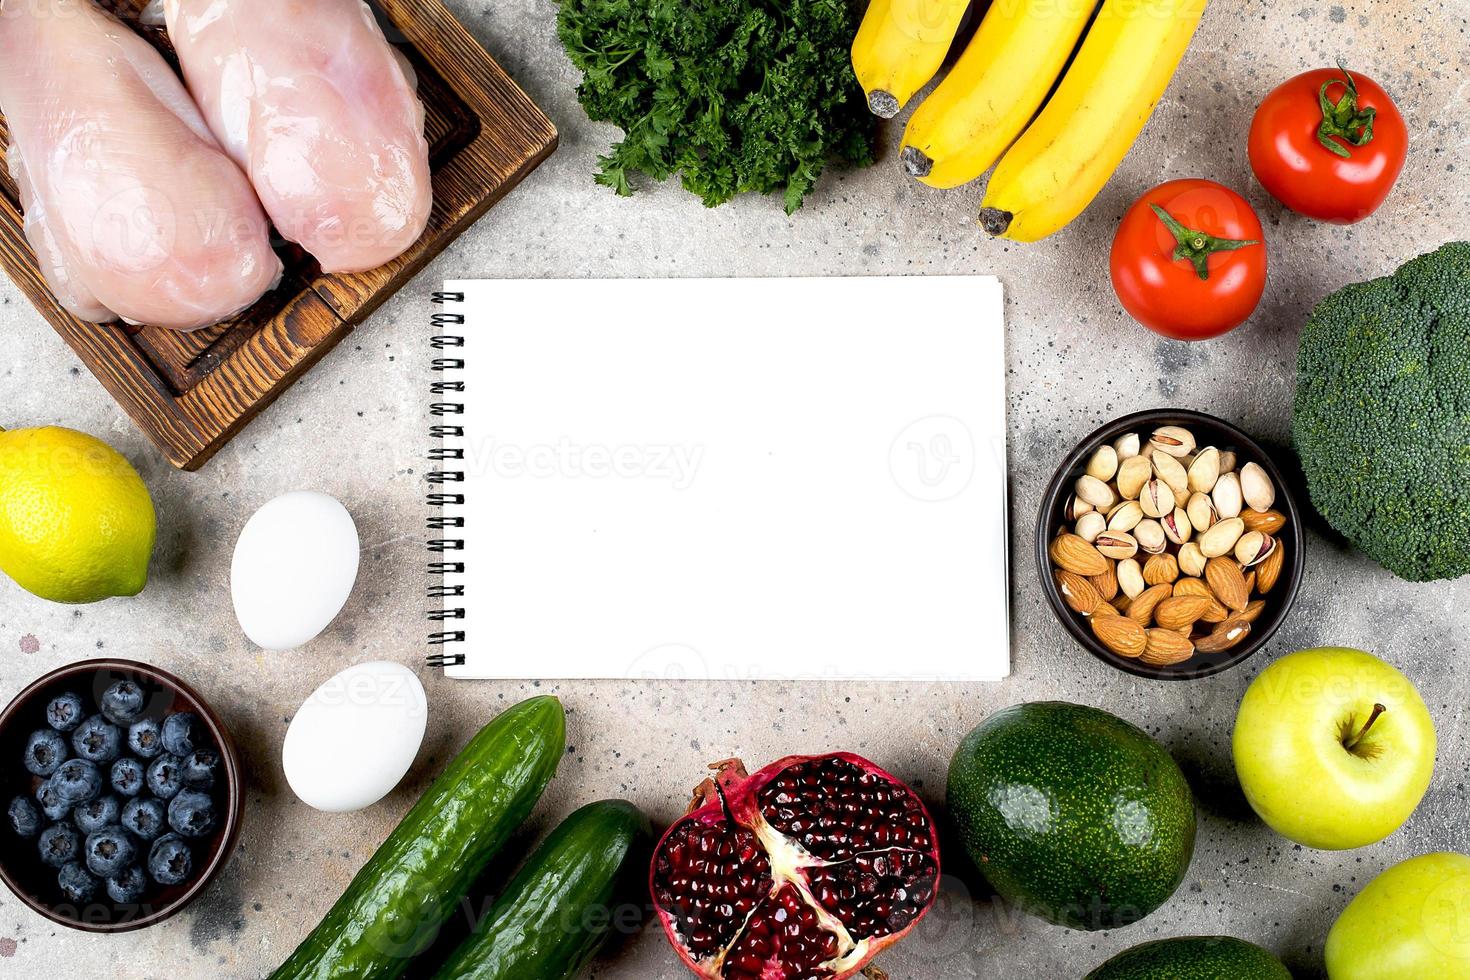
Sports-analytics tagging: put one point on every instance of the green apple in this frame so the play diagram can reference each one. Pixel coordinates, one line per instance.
(1334, 748)
(1411, 922)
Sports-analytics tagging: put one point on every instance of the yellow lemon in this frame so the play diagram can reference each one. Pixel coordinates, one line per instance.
(76, 521)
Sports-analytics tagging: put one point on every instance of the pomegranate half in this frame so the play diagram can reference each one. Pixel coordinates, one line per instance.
(806, 870)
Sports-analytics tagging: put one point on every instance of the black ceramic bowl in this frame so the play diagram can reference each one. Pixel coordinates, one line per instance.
(1209, 431)
(33, 882)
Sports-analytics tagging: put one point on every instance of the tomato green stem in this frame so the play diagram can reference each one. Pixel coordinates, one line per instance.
(1196, 247)
(1344, 120)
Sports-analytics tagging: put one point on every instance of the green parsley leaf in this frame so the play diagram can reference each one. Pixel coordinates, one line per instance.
(730, 95)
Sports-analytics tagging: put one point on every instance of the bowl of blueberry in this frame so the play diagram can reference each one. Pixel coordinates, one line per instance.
(126, 799)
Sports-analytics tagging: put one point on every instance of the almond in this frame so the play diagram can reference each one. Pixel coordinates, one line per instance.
(1146, 602)
(1161, 570)
(1077, 556)
(1181, 610)
(1268, 572)
(1252, 611)
(1165, 648)
(1227, 582)
(1106, 583)
(1121, 635)
(1217, 613)
(1225, 636)
(1267, 522)
(1077, 592)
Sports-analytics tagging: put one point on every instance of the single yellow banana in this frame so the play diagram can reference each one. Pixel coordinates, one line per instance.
(900, 46)
(994, 90)
(1061, 163)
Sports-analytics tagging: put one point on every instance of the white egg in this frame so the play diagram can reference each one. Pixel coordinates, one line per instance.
(355, 737)
(295, 565)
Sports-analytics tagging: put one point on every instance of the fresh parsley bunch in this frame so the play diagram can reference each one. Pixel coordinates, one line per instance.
(732, 95)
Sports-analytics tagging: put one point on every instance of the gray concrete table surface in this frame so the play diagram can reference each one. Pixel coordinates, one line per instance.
(354, 427)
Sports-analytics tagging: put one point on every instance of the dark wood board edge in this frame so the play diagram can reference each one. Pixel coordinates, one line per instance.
(244, 385)
(107, 351)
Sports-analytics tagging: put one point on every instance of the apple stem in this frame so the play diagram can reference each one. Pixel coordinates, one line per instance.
(1352, 743)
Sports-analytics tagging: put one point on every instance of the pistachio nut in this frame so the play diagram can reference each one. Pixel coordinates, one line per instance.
(1228, 460)
(1221, 539)
(1132, 475)
(1126, 446)
(1150, 537)
(1125, 516)
(1201, 511)
(1204, 472)
(1253, 548)
(1191, 559)
(1130, 578)
(1227, 496)
(1094, 491)
(1257, 488)
(1116, 544)
(1075, 507)
(1177, 527)
(1173, 439)
(1157, 499)
(1090, 526)
(1172, 472)
(1103, 464)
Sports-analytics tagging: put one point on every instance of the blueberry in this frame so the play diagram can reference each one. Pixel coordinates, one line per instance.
(127, 776)
(76, 883)
(59, 844)
(183, 733)
(199, 768)
(144, 817)
(191, 813)
(122, 703)
(165, 776)
(96, 814)
(97, 740)
(169, 860)
(45, 752)
(77, 780)
(109, 851)
(25, 819)
(127, 888)
(65, 712)
(52, 805)
(145, 738)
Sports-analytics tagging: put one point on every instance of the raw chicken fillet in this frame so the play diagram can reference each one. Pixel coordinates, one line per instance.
(131, 206)
(321, 111)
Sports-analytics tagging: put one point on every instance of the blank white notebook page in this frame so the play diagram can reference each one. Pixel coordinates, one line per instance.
(732, 479)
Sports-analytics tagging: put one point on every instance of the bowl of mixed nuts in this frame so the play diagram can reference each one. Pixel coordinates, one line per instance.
(1170, 545)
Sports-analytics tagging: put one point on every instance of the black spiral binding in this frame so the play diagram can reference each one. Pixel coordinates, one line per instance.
(442, 494)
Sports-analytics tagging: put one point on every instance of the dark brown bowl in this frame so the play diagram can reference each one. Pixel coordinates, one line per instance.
(1210, 431)
(20, 866)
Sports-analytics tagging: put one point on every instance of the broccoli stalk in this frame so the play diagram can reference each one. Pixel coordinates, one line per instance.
(1383, 415)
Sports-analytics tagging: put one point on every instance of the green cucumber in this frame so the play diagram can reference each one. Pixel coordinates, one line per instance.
(394, 907)
(559, 910)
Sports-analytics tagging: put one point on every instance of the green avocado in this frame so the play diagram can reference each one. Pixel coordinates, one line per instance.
(1072, 814)
(1193, 958)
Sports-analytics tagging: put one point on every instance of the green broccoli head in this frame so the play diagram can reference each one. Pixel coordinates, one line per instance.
(1383, 415)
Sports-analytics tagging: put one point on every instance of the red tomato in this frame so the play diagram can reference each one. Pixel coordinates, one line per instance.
(1189, 260)
(1289, 145)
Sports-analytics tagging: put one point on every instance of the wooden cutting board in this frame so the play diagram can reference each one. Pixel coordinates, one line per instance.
(191, 393)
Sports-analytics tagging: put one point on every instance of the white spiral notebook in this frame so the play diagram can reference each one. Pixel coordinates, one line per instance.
(733, 479)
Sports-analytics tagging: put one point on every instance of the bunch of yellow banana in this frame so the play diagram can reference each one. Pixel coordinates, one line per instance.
(1058, 141)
